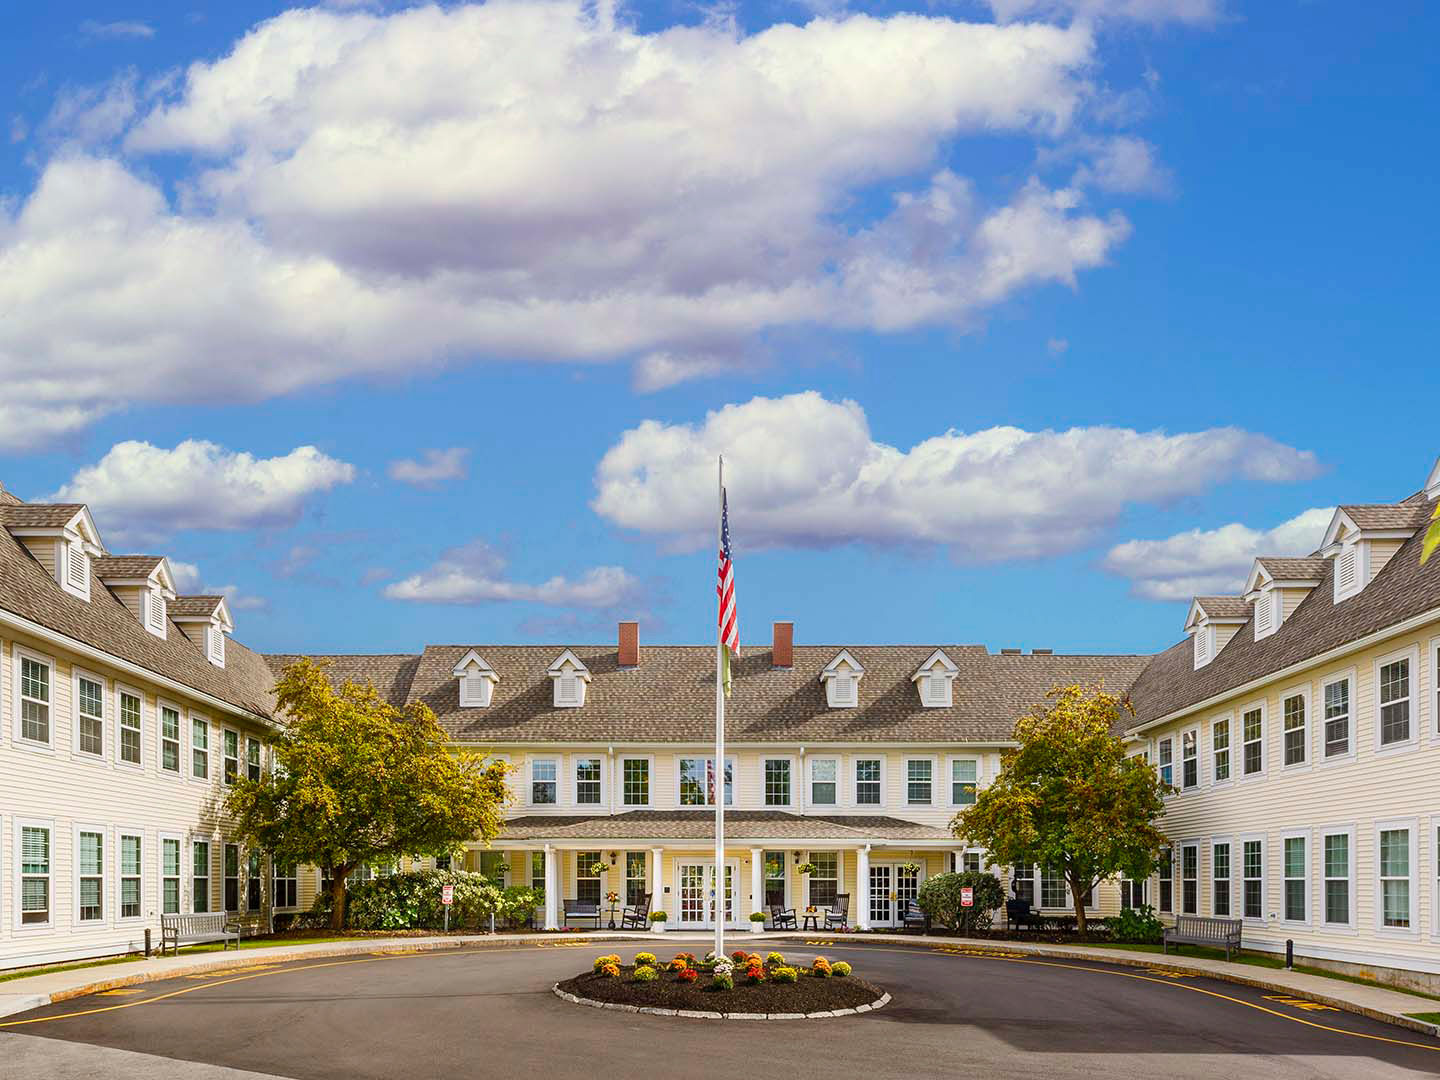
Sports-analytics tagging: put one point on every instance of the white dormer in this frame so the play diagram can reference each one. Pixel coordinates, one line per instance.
(842, 681)
(145, 584)
(935, 679)
(1362, 539)
(61, 537)
(1212, 622)
(1432, 482)
(1275, 588)
(477, 681)
(205, 620)
(570, 677)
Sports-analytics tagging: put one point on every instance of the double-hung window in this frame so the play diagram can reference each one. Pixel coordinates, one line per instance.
(587, 882)
(230, 762)
(200, 881)
(587, 781)
(129, 728)
(1220, 749)
(1190, 879)
(90, 716)
(634, 877)
(1337, 718)
(867, 781)
(777, 781)
(232, 877)
(537, 870)
(1190, 759)
(1337, 879)
(919, 777)
(1220, 879)
(823, 782)
(964, 781)
(1394, 683)
(90, 875)
(252, 759)
(286, 886)
(1053, 891)
(170, 875)
(635, 786)
(697, 781)
(1253, 867)
(1022, 883)
(1167, 761)
(774, 878)
(34, 875)
(1296, 729)
(35, 703)
(169, 739)
(131, 849)
(1166, 874)
(544, 781)
(825, 878)
(1297, 878)
(1252, 751)
(199, 748)
(1395, 885)
(254, 870)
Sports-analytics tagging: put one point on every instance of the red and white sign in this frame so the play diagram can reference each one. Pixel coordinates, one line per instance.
(967, 897)
(447, 894)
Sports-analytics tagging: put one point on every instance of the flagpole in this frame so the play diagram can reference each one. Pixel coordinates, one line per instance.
(719, 879)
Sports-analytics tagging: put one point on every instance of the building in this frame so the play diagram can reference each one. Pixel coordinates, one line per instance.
(1298, 722)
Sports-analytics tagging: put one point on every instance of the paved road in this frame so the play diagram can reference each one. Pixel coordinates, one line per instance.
(489, 1012)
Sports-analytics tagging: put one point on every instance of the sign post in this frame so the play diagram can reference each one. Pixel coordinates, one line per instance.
(447, 897)
(967, 897)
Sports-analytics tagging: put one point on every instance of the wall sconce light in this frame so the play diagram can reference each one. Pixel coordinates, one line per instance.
(613, 857)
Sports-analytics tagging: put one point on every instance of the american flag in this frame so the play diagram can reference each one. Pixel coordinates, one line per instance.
(729, 627)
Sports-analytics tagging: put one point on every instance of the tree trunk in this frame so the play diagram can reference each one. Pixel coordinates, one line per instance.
(1077, 895)
(338, 874)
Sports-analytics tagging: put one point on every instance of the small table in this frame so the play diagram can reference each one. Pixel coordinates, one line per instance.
(810, 922)
(613, 909)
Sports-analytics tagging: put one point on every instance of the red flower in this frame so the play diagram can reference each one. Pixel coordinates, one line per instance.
(689, 974)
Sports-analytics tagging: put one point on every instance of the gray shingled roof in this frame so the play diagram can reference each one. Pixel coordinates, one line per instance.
(1224, 607)
(700, 825)
(199, 606)
(390, 674)
(38, 515)
(670, 696)
(108, 567)
(1406, 515)
(1402, 589)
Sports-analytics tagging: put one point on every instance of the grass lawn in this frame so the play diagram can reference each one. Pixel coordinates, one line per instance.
(25, 973)
(1429, 1018)
(214, 946)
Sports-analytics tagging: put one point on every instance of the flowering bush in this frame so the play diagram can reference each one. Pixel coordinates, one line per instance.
(724, 967)
(645, 974)
(755, 972)
(774, 960)
(612, 897)
(689, 975)
(601, 961)
(722, 982)
(610, 971)
(739, 956)
(840, 969)
(688, 957)
(679, 964)
(644, 959)
(785, 975)
(757, 916)
(820, 968)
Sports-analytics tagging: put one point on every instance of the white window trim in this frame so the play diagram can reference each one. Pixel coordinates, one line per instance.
(1161, 765)
(573, 779)
(239, 756)
(274, 876)
(530, 781)
(64, 551)
(847, 787)
(1350, 926)
(1307, 877)
(1413, 930)
(1412, 654)
(76, 674)
(1307, 732)
(187, 869)
(17, 827)
(19, 654)
(620, 780)
(209, 777)
(830, 807)
(1325, 681)
(1433, 699)
(105, 878)
(1069, 905)
(151, 598)
(794, 782)
(254, 740)
(115, 838)
(1229, 749)
(1210, 845)
(1362, 569)
(160, 874)
(1270, 596)
(905, 779)
(1194, 730)
(702, 755)
(1435, 877)
(839, 872)
(950, 759)
(161, 704)
(1264, 706)
(1178, 871)
(1237, 862)
(120, 762)
(1204, 635)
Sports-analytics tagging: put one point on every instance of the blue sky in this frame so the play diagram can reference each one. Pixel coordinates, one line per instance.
(1019, 323)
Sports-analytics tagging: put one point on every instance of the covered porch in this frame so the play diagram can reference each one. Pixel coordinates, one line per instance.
(877, 863)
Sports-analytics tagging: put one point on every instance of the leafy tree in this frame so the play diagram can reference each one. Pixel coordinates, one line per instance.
(1069, 799)
(1432, 537)
(360, 781)
(940, 898)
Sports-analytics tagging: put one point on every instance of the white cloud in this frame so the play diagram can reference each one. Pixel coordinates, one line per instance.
(384, 194)
(1118, 164)
(1200, 12)
(1212, 562)
(188, 583)
(142, 491)
(433, 468)
(474, 574)
(123, 28)
(804, 471)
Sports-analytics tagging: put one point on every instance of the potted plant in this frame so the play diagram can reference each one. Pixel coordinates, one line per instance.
(657, 920)
(757, 921)
(806, 868)
(910, 867)
(597, 869)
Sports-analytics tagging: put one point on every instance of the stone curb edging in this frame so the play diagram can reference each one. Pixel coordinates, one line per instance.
(696, 1014)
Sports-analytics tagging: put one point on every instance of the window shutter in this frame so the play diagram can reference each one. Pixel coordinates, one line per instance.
(1346, 569)
(77, 566)
(566, 690)
(217, 645)
(155, 610)
(1202, 646)
(1264, 614)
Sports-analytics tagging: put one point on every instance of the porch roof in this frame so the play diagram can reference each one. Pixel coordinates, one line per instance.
(700, 825)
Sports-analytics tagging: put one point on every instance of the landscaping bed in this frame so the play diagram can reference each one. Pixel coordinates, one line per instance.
(704, 989)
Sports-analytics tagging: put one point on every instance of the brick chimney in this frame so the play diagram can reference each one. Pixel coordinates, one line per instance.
(782, 651)
(629, 644)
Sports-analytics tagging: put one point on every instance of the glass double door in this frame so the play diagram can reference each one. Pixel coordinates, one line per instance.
(891, 885)
(695, 881)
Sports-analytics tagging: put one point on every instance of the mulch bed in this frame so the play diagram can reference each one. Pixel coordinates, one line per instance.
(809, 994)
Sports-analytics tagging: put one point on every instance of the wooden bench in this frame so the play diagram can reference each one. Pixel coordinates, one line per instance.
(176, 930)
(247, 924)
(582, 909)
(1200, 930)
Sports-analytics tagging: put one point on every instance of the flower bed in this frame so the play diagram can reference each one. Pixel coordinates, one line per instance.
(751, 985)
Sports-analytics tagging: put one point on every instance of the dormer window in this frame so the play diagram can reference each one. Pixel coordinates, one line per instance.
(842, 681)
(1212, 622)
(570, 677)
(477, 681)
(934, 679)
(215, 645)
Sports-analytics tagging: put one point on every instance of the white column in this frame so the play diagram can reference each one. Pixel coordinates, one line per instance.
(862, 888)
(552, 890)
(757, 884)
(657, 885)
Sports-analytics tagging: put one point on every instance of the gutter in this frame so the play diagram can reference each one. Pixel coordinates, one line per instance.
(54, 637)
(1412, 623)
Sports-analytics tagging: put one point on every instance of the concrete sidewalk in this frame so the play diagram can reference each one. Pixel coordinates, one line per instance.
(1376, 1002)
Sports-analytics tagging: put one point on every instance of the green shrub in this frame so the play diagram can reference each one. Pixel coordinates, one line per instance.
(644, 973)
(774, 960)
(604, 961)
(411, 901)
(940, 899)
(785, 975)
(644, 959)
(722, 982)
(840, 969)
(1135, 926)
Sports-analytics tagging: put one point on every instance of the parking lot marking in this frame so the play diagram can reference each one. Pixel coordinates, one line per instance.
(121, 992)
(1300, 1003)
